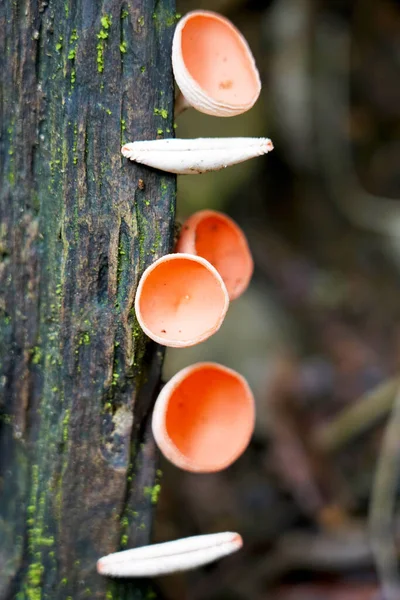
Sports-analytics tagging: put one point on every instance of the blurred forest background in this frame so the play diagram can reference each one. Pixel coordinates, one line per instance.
(318, 332)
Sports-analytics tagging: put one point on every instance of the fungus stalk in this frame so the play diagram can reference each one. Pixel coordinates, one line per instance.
(181, 104)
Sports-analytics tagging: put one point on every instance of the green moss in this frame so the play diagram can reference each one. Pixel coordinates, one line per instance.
(46, 541)
(65, 425)
(142, 69)
(153, 492)
(161, 112)
(141, 21)
(157, 243)
(123, 129)
(36, 538)
(83, 340)
(106, 21)
(75, 146)
(72, 55)
(123, 47)
(102, 36)
(7, 419)
(165, 18)
(35, 573)
(36, 355)
(124, 14)
(124, 522)
(34, 580)
(124, 540)
(170, 21)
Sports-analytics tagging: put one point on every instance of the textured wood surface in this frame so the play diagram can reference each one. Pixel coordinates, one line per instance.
(78, 225)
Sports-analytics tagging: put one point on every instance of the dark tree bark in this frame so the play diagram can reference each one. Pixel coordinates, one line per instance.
(78, 225)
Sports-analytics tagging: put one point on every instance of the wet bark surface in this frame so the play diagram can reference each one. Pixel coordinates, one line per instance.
(78, 225)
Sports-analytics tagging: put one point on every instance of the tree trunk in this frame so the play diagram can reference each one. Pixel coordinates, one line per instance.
(78, 225)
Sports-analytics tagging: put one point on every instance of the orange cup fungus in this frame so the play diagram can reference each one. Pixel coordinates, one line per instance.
(181, 300)
(218, 239)
(204, 417)
(213, 65)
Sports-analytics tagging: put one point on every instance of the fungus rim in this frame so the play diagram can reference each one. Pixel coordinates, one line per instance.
(187, 241)
(193, 94)
(201, 337)
(164, 442)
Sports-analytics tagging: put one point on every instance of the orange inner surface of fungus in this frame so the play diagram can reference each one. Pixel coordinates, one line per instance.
(181, 300)
(210, 418)
(217, 60)
(219, 243)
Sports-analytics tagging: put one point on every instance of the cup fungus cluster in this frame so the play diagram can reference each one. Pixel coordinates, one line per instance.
(204, 416)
